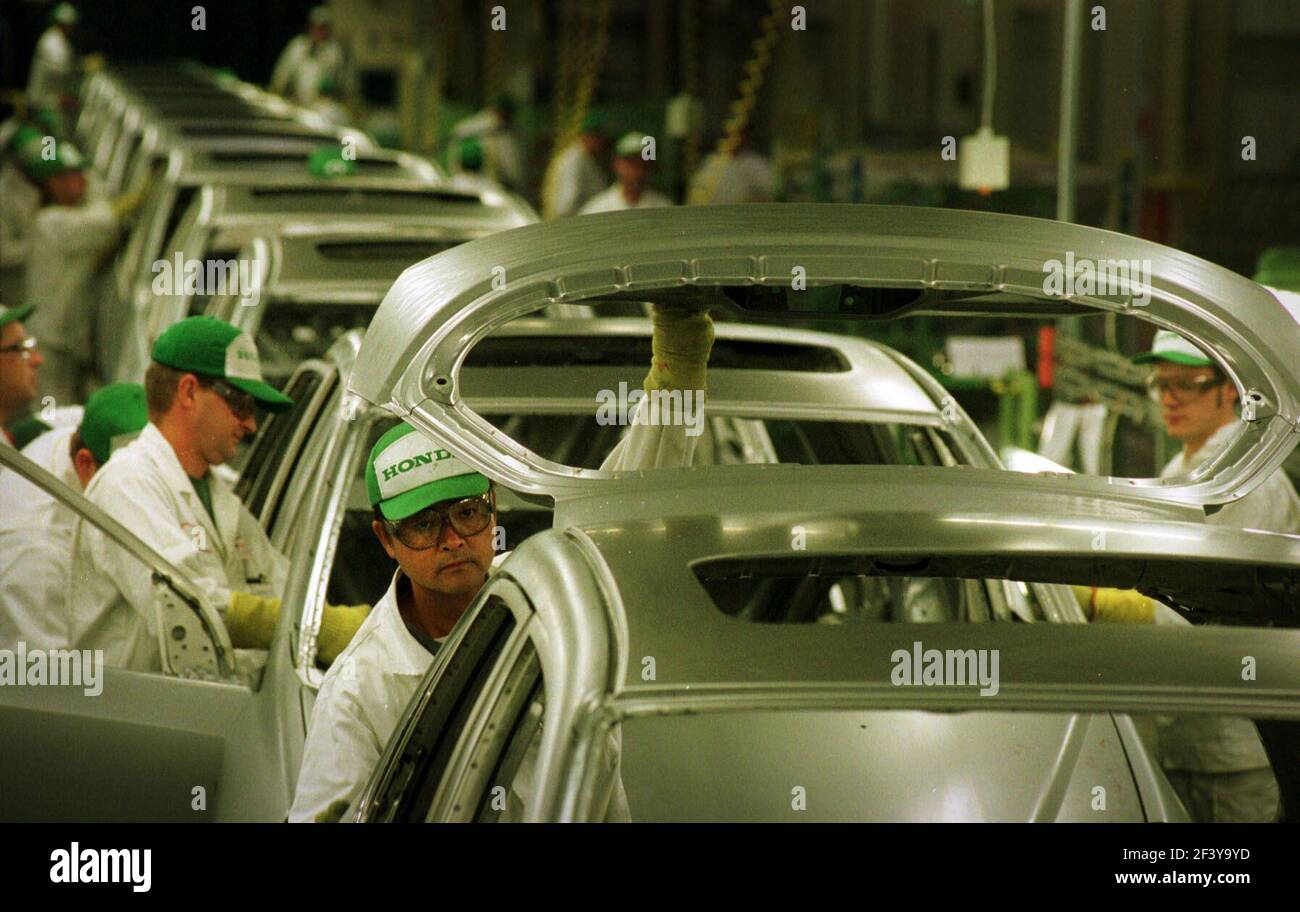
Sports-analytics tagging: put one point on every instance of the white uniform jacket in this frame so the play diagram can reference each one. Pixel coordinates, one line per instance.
(578, 178)
(369, 685)
(53, 66)
(35, 539)
(612, 200)
(143, 486)
(1222, 744)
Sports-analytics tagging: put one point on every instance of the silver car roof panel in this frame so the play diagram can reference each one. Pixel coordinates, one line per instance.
(439, 308)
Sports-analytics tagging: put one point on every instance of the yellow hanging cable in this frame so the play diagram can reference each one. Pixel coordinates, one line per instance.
(438, 79)
(743, 105)
(568, 122)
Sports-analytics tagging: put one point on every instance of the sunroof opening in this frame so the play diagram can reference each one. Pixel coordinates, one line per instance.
(399, 251)
(612, 350)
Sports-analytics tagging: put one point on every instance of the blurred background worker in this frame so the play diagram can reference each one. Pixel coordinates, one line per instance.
(328, 102)
(579, 170)
(1216, 764)
(493, 127)
(72, 235)
(55, 66)
(631, 188)
(20, 362)
(20, 200)
(743, 177)
(36, 529)
(307, 59)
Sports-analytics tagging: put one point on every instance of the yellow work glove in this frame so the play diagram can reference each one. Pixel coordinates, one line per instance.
(338, 624)
(251, 620)
(1115, 606)
(126, 203)
(683, 338)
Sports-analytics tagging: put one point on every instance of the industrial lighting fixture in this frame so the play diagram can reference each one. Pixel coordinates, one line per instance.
(984, 158)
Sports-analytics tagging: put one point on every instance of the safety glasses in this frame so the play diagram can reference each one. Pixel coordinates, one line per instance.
(422, 530)
(242, 404)
(1182, 388)
(23, 349)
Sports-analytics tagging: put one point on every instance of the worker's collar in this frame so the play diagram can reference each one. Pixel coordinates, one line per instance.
(403, 653)
(1213, 446)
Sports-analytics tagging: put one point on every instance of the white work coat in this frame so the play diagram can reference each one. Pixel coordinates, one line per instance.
(53, 67)
(743, 178)
(1221, 744)
(144, 487)
(612, 200)
(367, 688)
(302, 65)
(69, 248)
(578, 178)
(35, 541)
(20, 200)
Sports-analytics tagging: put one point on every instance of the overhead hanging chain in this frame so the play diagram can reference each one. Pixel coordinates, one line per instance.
(568, 119)
(769, 32)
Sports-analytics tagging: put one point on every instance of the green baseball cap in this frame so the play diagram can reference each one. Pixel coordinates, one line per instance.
(328, 161)
(406, 473)
(594, 122)
(114, 416)
(1169, 346)
(10, 314)
(214, 348)
(65, 14)
(40, 169)
(630, 145)
(470, 151)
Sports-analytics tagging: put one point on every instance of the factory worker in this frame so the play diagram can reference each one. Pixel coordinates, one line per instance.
(20, 200)
(493, 128)
(55, 65)
(307, 59)
(742, 177)
(36, 529)
(579, 172)
(73, 234)
(631, 188)
(20, 362)
(1216, 764)
(202, 391)
(436, 518)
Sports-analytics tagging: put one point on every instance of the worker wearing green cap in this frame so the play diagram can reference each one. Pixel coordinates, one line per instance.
(72, 234)
(579, 169)
(631, 189)
(20, 200)
(1216, 763)
(36, 529)
(203, 390)
(493, 129)
(20, 362)
(435, 515)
